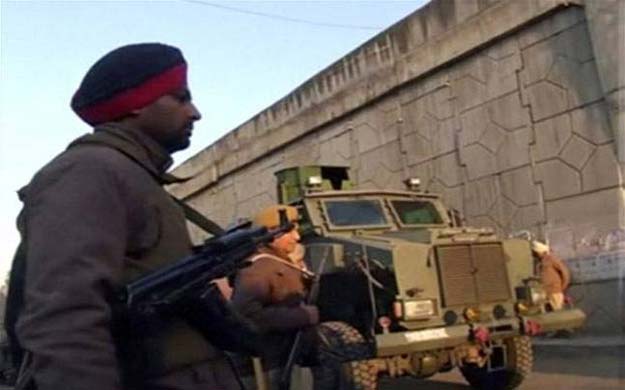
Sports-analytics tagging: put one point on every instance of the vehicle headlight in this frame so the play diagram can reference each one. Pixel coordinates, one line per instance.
(472, 314)
(418, 309)
(314, 181)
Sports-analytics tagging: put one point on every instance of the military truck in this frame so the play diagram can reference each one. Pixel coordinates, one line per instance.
(426, 292)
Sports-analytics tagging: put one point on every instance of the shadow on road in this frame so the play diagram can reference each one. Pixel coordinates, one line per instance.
(604, 362)
(413, 384)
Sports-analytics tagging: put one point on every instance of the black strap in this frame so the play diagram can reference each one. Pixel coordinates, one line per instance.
(198, 219)
(189, 212)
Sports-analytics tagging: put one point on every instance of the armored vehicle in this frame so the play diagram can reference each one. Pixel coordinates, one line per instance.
(426, 292)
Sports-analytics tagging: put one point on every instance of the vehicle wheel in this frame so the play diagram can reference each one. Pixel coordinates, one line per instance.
(359, 375)
(520, 359)
(344, 360)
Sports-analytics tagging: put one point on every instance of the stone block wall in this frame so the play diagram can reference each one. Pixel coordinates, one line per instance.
(515, 134)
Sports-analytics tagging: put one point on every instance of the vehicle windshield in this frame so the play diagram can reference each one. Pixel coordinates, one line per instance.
(363, 212)
(415, 212)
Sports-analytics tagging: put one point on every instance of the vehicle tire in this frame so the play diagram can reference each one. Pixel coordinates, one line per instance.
(520, 359)
(344, 359)
(359, 375)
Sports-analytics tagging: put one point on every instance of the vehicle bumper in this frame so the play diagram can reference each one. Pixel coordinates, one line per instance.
(556, 320)
(452, 336)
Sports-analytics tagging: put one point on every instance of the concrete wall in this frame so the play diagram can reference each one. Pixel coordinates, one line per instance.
(511, 109)
(606, 21)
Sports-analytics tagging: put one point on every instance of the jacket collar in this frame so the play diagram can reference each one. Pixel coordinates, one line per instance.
(134, 144)
(284, 259)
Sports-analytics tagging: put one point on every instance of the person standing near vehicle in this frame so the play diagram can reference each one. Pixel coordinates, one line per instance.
(271, 292)
(97, 217)
(554, 274)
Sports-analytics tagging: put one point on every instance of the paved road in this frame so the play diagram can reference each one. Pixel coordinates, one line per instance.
(555, 368)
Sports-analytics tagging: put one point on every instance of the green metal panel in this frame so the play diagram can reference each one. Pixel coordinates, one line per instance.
(292, 181)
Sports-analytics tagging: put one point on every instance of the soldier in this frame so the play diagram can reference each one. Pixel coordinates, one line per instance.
(554, 274)
(272, 290)
(271, 293)
(97, 217)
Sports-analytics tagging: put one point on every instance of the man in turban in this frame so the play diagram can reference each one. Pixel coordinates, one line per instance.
(97, 217)
(554, 274)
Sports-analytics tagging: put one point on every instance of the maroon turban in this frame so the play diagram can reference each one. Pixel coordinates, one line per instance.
(128, 78)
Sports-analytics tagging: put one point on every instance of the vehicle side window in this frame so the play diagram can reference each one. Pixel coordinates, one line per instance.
(355, 213)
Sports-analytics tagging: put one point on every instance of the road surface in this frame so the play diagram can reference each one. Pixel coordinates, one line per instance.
(555, 368)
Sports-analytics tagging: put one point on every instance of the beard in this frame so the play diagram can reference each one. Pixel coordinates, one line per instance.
(179, 143)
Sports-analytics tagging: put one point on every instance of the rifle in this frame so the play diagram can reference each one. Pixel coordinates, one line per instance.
(185, 288)
(285, 375)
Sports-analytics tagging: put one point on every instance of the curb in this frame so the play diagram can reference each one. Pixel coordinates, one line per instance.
(590, 341)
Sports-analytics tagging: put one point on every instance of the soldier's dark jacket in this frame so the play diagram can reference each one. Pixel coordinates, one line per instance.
(95, 218)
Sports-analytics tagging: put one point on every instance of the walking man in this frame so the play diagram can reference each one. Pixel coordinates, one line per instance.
(554, 274)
